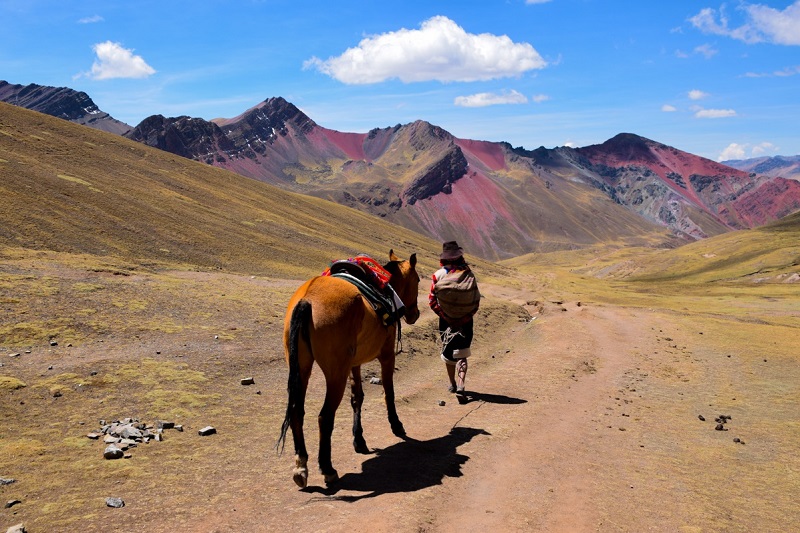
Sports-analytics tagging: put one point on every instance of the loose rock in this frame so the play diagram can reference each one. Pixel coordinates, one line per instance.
(208, 430)
(6, 481)
(248, 381)
(375, 380)
(702, 418)
(115, 502)
(19, 528)
(113, 452)
(12, 503)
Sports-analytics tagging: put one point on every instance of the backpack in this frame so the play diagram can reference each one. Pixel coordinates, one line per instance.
(457, 293)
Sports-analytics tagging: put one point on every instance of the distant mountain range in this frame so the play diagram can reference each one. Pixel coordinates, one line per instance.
(783, 166)
(498, 201)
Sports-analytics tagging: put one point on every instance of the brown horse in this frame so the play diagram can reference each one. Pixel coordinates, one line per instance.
(328, 321)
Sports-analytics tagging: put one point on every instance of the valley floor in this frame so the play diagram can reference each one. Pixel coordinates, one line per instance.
(585, 418)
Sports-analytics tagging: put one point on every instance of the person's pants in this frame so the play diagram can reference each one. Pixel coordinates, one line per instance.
(459, 343)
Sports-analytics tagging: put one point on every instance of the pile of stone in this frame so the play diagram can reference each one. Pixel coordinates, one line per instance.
(122, 435)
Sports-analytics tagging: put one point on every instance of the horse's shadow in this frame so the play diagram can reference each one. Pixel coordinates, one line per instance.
(407, 466)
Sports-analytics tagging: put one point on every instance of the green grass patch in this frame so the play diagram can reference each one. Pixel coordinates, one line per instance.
(8, 383)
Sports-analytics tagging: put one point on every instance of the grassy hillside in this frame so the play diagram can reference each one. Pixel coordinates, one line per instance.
(745, 276)
(69, 188)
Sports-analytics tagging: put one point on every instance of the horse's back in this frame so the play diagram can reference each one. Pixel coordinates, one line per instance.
(341, 320)
(332, 300)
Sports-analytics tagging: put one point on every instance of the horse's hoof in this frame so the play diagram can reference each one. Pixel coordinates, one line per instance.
(330, 479)
(360, 446)
(301, 477)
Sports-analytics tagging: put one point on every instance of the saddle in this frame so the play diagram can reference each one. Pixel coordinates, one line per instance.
(372, 280)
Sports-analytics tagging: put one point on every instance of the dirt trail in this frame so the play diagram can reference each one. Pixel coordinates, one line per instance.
(523, 455)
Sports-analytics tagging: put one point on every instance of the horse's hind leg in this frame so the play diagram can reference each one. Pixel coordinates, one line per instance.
(387, 359)
(300, 473)
(333, 397)
(356, 399)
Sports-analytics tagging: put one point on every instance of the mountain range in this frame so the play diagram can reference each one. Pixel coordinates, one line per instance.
(496, 200)
(785, 166)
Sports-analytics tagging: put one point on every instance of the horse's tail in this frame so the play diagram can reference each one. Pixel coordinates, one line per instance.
(298, 325)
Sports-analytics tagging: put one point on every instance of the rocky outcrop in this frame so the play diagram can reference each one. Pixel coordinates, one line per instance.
(438, 178)
(188, 137)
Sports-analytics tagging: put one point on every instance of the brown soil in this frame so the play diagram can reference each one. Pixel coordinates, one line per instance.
(581, 417)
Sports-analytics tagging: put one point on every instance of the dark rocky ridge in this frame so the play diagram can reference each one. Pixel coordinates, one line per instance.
(61, 102)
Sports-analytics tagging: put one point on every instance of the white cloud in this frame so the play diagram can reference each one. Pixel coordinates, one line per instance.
(487, 99)
(739, 151)
(762, 24)
(539, 98)
(114, 61)
(706, 50)
(715, 113)
(91, 20)
(788, 71)
(440, 50)
(763, 148)
(785, 73)
(733, 151)
(696, 94)
(668, 108)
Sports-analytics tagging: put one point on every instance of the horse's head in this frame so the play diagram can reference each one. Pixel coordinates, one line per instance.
(405, 282)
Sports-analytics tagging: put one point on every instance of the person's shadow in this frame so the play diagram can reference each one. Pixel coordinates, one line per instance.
(471, 396)
(407, 466)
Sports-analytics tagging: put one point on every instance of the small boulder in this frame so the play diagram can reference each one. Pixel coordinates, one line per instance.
(130, 432)
(206, 431)
(113, 452)
(116, 503)
(248, 381)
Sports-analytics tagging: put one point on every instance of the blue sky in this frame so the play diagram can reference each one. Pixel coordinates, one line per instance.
(720, 80)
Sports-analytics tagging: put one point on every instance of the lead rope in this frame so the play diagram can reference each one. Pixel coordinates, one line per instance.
(448, 335)
(399, 344)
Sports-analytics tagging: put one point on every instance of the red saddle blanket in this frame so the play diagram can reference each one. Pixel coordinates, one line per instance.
(373, 272)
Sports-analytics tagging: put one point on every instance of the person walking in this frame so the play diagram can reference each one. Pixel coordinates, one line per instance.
(455, 298)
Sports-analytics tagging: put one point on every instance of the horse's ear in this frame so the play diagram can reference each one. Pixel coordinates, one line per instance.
(393, 257)
(413, 260)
